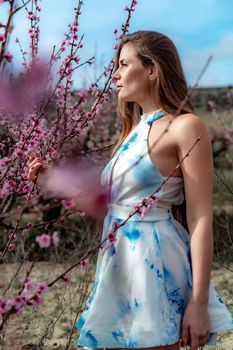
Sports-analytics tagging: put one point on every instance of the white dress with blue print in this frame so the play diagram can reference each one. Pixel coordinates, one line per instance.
(144, 280)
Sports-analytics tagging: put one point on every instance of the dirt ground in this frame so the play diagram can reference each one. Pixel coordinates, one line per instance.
(53, 324)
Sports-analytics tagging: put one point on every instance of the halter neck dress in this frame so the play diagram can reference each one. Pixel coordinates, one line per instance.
(143, 280)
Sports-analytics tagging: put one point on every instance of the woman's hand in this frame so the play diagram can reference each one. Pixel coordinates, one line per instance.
(37, 170)
(195, 325)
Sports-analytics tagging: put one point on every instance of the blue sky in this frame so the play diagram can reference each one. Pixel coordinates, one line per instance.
(199, 29)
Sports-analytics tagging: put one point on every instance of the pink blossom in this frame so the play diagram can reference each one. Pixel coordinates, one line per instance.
(112, 237)
(66, 280)
(42, 287)
(85, 264)
(2, 38)
(18, 301)
(137, 207)
(24, 233)
(146, 205)
(116, 225)
(5, 305)
(8, 57)
(55, 238)
(89, 115)
(43, 240)
(11, 247)
(31, 15)
(74, 28)
(12, 184)
(37, 300)
(29, 286)
(13, 237)
(83, 94)
(68, 203)
(154, 197)
(120, 37)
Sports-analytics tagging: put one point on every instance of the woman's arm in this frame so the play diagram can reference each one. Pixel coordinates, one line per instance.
(197, 171)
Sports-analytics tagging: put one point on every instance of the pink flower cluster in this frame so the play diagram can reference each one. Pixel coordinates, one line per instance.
(34, 33)
(45, 240)
(8, 57)
(40, 115)
(2, 38)
(68, 203)
(125, 26)
(32, 294)
(85, 264)
(146, 205)
(111, 237)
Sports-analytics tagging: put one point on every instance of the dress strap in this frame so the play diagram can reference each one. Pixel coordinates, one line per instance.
(155, 116)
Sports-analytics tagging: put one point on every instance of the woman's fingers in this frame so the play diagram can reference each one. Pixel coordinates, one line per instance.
(31, 157)
(195, 343)
(35, 172)
(35, 165)
(34, 161)
(198, 340)
(185, 335)
(203, 339)
(35, 168)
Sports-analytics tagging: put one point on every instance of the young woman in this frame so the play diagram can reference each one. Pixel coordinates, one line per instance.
(152, 287)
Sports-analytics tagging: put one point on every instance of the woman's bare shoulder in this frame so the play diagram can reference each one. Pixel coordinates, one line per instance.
(188, 119)
(187, 125)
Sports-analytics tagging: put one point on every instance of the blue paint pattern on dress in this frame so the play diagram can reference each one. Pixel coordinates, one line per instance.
(119, 338)
(92, 339)
(132, 235)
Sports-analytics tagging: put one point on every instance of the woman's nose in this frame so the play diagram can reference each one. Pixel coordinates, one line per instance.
(115, 76)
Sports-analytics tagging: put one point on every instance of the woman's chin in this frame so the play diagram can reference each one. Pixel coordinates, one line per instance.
(124, 98)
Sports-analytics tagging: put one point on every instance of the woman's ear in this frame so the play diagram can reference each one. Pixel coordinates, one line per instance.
(153, 71)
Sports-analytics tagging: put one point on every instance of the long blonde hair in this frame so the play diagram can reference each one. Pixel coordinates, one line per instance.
(169, 88)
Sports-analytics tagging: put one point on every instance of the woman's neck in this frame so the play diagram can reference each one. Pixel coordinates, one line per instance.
(149, 112)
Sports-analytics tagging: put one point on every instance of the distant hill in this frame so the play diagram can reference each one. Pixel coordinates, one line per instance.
(202, 95)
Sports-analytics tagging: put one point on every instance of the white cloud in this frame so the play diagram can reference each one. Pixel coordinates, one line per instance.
(220, 70)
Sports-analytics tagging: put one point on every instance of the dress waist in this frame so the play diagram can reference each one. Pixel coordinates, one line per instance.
(155, 213)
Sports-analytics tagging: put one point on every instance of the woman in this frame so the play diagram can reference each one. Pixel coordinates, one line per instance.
(152, 287)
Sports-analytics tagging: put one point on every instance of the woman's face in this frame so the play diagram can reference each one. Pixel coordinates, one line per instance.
(131, 77)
